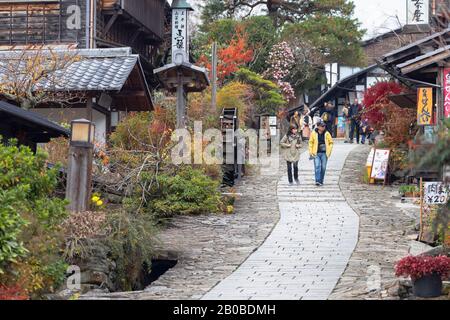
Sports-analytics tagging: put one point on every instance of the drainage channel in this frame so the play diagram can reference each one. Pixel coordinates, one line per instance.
(158, 268)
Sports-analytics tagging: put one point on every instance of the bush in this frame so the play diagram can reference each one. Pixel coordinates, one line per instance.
(419, 266)
(131, 238)
(190, 191)
(30, 216)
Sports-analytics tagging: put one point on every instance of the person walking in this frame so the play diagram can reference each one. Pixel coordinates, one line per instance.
(364, 131)
(296, 120)
(306, 124)
(347, 121)
(291, 143)
(316, 119)
(355, 118)
(320, 148)
(329, 117)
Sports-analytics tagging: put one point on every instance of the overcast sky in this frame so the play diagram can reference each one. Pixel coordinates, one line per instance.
(380, 16)
(377, 16)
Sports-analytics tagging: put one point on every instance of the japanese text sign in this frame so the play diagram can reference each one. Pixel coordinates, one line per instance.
(180, 30)
(424, 106)
(447, 93)
(436, 192)
(418, 11)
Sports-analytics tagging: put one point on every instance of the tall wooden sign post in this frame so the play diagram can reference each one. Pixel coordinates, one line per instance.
(79, 175)
(180, 76)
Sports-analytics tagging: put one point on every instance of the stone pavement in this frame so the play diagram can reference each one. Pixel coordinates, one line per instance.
(208, 248)
(385, 235)
(307, 252)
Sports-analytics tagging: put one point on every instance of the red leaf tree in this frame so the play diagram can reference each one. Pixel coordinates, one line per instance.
(232, 56)
(376, 99)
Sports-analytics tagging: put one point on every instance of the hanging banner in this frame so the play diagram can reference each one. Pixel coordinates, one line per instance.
(424, 106)
(418, 11)
(447, 93)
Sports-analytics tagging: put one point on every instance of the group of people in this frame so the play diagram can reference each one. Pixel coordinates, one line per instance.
(320, 146)
(356, 126)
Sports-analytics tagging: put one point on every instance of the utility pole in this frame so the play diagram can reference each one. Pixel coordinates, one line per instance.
(214, 76)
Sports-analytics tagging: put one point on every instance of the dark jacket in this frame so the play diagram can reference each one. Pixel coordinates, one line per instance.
(355, 111)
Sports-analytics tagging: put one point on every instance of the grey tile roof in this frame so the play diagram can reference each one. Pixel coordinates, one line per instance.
(93, 70)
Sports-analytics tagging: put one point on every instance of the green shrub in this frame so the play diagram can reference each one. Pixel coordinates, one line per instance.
(190, 191)
(30, 216)
(131, 238)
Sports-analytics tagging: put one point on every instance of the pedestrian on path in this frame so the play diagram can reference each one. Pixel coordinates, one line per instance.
(292, 143)
(306, 123)
(347, 121)
(364, 130)
(296, 120)
(320, 148)
(355, 116)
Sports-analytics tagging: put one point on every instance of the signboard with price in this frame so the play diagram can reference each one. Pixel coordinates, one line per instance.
(436, 193)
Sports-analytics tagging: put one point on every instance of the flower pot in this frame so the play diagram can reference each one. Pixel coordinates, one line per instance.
(429, 286)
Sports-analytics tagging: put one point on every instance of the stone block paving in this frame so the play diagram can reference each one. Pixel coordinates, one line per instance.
(383, 238)
(209, 248)
(308, 250)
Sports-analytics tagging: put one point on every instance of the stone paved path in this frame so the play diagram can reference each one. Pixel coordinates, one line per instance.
(383, 240)
(308, 250)
(209, 248)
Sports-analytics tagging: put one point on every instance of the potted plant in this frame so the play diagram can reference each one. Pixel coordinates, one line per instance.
(409, 191)
(426, 273)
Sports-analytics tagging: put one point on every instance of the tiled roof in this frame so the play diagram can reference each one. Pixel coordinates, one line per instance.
(93, 70)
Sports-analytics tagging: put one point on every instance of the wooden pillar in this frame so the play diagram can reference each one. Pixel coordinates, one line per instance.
(181, 104)
(79, 178)
(214, 77)
(89, 108)
(440, 95)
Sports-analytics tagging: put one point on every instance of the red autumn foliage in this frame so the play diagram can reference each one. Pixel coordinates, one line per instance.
(419, 266)
(375, 98)
(231, 56)
(15, 292)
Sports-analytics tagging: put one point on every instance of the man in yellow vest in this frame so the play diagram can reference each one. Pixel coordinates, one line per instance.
(320, 148)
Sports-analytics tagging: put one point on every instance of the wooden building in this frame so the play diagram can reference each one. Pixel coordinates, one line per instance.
(421, 65)
(140, 27)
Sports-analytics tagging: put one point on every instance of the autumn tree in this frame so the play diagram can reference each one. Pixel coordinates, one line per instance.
(33, 77)
(231, 56)
(261, 35)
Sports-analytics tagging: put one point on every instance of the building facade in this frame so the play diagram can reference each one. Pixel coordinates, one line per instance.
(139, 27)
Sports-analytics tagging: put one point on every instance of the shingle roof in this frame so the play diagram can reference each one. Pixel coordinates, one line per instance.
(93, 70)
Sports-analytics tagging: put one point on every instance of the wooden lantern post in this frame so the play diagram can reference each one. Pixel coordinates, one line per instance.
(79, 175)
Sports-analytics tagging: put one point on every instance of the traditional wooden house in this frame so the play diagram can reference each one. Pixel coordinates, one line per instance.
(95, 28)
(345, 83)
(420, 65)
